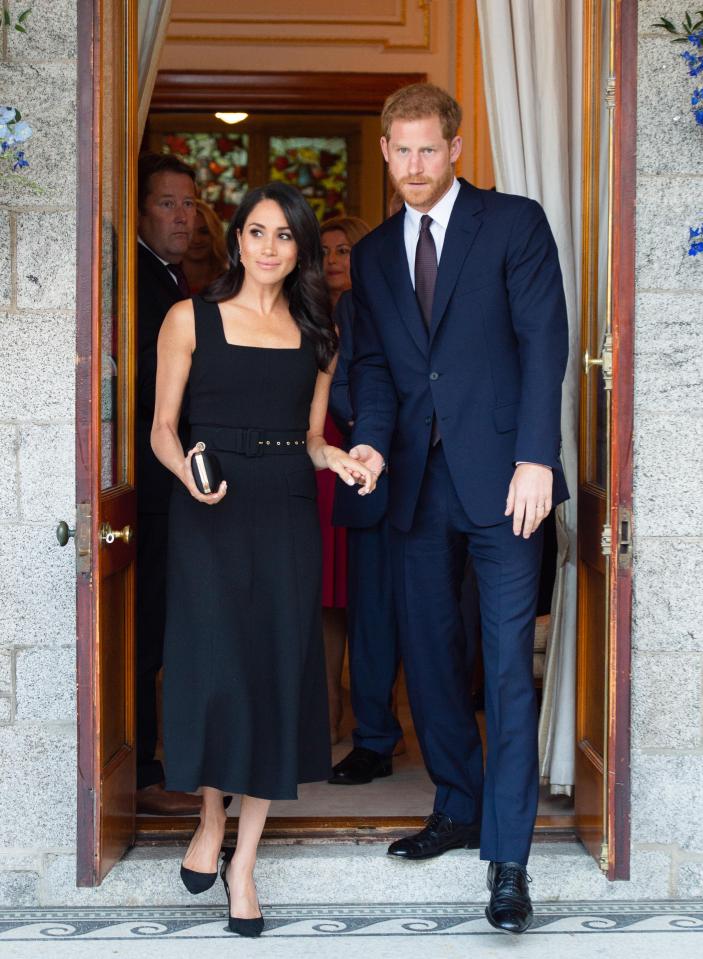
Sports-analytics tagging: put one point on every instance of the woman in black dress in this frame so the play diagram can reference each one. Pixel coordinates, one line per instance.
(245, 700)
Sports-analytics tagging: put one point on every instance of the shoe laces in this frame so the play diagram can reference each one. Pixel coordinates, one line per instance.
(511, 881)
(433, 822)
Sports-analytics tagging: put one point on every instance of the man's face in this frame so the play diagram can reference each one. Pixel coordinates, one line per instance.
(167, 221)
(420, 161)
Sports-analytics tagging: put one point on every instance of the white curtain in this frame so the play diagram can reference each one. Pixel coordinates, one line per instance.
(531, 53)
(153, 22)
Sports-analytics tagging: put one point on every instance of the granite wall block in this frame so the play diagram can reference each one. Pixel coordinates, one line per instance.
(46, 261)
(37, 599)
(47, 474)
(37, 367)
(45, 684)
(668, 466)
(45, 93)
(666, 795)
(5, 259)
(668, 600)
(9, 488)
(669, 352)
(666, 700)
(38, 799)
(53, 33)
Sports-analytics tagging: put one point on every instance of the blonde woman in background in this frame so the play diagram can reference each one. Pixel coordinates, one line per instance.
(206, 256)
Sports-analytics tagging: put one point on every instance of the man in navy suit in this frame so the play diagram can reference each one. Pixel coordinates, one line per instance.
(460, 350)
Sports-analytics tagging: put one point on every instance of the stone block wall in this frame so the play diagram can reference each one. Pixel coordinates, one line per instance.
(667, 669)
(37, 336)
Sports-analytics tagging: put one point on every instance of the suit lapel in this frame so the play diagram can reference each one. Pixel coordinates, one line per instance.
(394, 264)
(462, 229)
(158, 274)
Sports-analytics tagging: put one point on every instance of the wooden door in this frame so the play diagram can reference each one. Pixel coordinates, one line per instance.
(106, 500)
(605, 477)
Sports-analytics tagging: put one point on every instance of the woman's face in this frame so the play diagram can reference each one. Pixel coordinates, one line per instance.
(268, 251)
(336, 251)
(200, 247)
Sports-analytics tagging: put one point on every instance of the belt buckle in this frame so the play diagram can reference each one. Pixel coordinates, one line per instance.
(253, 445)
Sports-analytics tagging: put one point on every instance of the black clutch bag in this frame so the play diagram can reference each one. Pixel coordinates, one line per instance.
(207, 471)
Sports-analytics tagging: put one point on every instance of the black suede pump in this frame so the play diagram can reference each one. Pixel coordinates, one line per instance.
(250, 928)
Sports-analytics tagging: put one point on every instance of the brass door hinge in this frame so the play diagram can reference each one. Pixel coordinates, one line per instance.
(83, 538)
(624, 538)
(606, 539)
(603, 861)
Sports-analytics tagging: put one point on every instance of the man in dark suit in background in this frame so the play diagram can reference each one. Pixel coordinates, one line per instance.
(460, 349)
(166, 222)
(372, 627)
(371, 622)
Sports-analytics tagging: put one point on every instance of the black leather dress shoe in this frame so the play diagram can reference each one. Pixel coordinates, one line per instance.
(439, 835)
(361, 766)
(510, 908)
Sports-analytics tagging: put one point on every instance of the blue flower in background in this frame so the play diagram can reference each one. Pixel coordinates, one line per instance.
(695, 237)
(697, 105)
(14, 131)
(694, 63)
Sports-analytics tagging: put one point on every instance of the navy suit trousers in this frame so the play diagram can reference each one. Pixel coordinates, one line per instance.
(373, 637)
(428, 567)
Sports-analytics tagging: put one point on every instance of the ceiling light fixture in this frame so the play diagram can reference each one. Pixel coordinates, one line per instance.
(232, 117)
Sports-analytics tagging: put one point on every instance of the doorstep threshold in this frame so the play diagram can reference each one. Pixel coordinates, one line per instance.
(165, 830)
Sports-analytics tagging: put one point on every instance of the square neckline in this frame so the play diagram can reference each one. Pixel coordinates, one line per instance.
(244, 346)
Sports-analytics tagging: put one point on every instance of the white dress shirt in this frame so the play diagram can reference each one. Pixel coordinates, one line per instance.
(440, 214)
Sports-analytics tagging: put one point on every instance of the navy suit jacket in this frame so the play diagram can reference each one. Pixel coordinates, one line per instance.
(490, 367)
(349, 508)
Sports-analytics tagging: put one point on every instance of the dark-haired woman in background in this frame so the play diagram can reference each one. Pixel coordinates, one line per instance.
(245, 700)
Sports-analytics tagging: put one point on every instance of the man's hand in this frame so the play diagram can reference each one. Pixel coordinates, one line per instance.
(529, 497)
(372, 460)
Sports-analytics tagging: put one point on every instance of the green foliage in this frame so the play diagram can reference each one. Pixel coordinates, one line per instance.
(688, 26)
(19, 23)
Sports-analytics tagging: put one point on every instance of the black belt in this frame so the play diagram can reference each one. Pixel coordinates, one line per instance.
(249, 442)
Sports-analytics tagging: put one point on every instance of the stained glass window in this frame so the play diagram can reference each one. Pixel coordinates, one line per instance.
(317, 166)
(221, 162)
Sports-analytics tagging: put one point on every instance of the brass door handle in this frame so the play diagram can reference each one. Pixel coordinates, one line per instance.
(589, 361)
(108, 535)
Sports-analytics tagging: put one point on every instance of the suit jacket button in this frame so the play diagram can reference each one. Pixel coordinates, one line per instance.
(428, 421)
(434, 376)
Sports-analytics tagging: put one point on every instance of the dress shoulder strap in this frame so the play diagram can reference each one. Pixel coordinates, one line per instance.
(208, 323)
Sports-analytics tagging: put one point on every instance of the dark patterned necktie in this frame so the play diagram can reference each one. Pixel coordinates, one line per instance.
(425, 269)
(425, 280)
(181, 280)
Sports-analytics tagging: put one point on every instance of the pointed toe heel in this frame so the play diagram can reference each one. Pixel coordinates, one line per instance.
(249, 928)
(197, 882)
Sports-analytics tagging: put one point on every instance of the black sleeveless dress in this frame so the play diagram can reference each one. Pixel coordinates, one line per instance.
(244, 695)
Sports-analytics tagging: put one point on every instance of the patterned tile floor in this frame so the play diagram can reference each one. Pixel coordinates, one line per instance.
(632, 930)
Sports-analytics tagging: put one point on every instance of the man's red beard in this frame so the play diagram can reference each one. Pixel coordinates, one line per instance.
(433, 189)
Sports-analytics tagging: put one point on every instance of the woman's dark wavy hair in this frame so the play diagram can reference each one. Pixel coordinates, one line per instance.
(305, 287)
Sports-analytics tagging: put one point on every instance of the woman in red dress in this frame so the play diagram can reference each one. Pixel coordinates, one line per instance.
(338, 237)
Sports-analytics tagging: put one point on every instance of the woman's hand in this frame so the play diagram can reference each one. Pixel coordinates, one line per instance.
(186, 477)
(350, 470)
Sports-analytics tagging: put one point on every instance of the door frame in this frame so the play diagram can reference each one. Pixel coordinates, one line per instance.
(621, 518)
(104, 829)
(87, 367)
